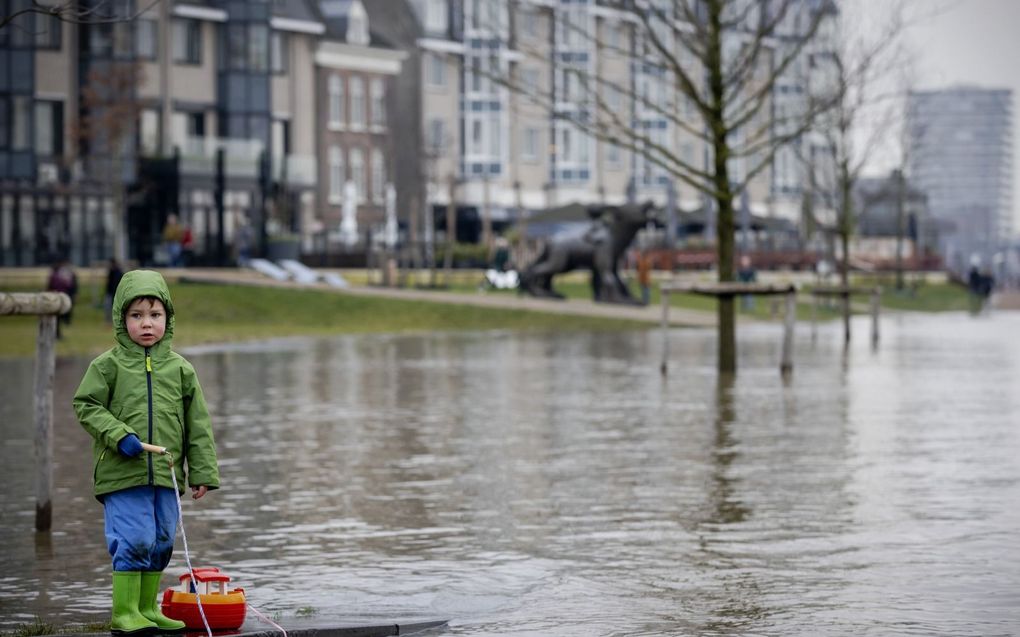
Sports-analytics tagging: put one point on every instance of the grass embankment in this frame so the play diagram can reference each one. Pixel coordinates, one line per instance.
(227, 313)
(918, 296)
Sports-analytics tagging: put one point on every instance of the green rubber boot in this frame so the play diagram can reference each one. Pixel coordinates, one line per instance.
(149, 607)
(127, 619)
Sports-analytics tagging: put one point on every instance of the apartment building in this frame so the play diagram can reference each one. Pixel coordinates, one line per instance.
(502, 153)
(220, 111)
(354, 83)
(961, 157)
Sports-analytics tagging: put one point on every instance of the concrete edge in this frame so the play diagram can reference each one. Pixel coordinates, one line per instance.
(325, 630)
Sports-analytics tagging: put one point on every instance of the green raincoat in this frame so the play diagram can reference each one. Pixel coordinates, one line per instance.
(152, 392)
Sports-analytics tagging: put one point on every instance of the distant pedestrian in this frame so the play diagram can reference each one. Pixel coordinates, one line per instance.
(173, 236)
(187, 246)
(114, 273)
(63, 279)
(245, 237)
(746, 274)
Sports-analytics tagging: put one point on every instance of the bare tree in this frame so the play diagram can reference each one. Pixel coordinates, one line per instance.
(105, 130)
(859, 117)
(74, 11)
(715, 65)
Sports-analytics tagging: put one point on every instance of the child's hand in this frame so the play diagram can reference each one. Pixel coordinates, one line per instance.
(130, 446)
(198, 492)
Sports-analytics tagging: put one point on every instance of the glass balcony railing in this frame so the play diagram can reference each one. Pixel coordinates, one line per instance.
(295, 170)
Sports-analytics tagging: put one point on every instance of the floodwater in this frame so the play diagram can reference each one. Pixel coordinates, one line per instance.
(557, 485)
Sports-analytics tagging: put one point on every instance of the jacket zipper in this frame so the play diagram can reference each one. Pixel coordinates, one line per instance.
(148, 384)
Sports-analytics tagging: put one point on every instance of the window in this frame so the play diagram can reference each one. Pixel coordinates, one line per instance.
(187, 126)
(357, 87)
(358, 172)
(278, 45)
(614, 156)
(529, 146)
(187, 36)
(336, 174)
(237, 47)
(378, 103)
(148, 132)
(21, 123)
(258, 47)
(530, 80)
(100, 39)
(378, 176)
(49, 128)
(436, 136)
(5, 122)
(146, 39)
(435, 16)
(336, 101)
(281, 137)
(435, 69)
(476, 138)
(529, 23)
(47, 32)
(123, 40)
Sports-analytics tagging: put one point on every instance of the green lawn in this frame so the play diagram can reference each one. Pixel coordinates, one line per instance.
(223, 313)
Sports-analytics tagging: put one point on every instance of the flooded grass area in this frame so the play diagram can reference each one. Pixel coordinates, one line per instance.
(556, 484)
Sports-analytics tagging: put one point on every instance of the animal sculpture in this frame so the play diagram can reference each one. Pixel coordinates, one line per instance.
(598, 249)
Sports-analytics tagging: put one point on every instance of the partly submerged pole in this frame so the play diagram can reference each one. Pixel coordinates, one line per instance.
(47, 305)
(663, 367)
(876, 304)
(789, 321)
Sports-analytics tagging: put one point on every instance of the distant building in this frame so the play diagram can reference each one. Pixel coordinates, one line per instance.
(881, 226)
(131, 115)
(354, 86)
(501, 154)
(961, 157)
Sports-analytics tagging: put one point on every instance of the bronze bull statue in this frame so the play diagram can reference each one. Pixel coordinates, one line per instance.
(599, 249)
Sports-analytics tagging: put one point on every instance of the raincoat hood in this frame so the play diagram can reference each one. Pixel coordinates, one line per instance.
(134, 284)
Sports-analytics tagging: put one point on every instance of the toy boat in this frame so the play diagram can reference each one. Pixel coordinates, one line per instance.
(224, 609)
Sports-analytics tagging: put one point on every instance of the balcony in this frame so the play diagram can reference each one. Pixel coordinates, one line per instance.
(241, 156)
(295, 170)
(241, 160)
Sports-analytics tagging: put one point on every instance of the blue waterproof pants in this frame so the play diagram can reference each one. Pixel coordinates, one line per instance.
(141, 523)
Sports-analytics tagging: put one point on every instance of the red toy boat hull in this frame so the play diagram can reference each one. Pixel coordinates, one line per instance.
(224, 612)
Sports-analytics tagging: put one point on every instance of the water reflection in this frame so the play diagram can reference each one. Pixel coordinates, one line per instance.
(539, 485)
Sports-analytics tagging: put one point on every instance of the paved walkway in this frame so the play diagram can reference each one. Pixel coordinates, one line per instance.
(678, 317)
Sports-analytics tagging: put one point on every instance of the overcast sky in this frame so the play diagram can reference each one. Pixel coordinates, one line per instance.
(973, 42)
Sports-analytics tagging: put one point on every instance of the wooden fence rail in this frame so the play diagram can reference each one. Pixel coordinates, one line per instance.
(47, 306)
(844, 293)
(732, 289)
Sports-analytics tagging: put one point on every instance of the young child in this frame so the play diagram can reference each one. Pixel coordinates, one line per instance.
(141, 390)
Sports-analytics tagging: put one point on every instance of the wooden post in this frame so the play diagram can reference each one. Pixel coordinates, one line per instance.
(664, 366)
(786, 366)
(876, 298)
(814, 318)
(44, 366)
(47, 305)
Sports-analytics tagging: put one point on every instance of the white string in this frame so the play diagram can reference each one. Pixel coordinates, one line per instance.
(187, 559)
(184, 536)
(267, 620)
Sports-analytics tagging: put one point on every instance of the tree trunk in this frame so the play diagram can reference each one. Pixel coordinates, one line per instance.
(900, 216)
(451, 230)
(846, 227)
(723, 192)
